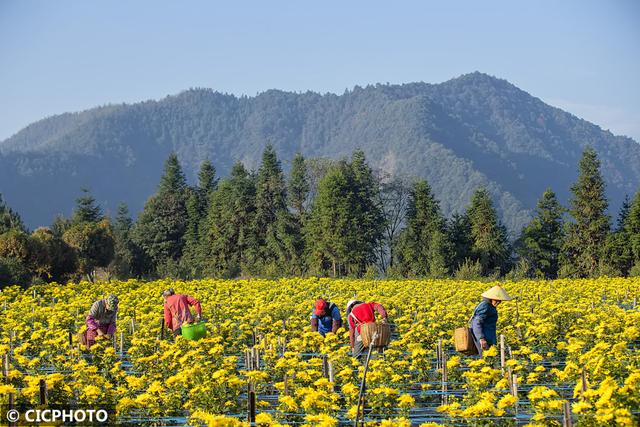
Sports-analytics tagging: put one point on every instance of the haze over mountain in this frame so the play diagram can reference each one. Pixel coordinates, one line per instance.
(471, 131)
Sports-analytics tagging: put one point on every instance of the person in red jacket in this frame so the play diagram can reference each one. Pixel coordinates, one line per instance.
(177, 312)
(359, 312)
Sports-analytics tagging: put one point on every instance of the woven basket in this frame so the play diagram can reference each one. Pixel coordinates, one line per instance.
(463, 340)
(367, 330)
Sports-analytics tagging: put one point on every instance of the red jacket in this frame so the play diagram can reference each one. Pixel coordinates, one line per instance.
(363, 313)
(176, 310)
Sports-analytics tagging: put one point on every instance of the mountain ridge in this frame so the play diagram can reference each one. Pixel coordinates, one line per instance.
(473, 130)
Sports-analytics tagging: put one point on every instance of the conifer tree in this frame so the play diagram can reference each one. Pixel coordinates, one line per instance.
(172, 180)
(159, 231)
(489, 244)
(270, 205)
(86, 209)
(424, 249)
(298, 186)
(124, 262)
(541, 240)
(459, 234)
(632, 231)
(345, 223)
(9, 220)
(587, 234)
(228, 232)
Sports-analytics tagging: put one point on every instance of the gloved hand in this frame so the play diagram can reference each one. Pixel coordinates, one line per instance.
(198, 317)
(484, 344)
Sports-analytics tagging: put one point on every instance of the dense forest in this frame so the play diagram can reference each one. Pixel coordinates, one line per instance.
(326, 218)
(469, 132)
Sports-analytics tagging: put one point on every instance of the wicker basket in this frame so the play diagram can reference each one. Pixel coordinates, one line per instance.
(367, 330)
(463, 339)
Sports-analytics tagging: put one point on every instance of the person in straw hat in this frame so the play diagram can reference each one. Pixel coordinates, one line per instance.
(485, 318)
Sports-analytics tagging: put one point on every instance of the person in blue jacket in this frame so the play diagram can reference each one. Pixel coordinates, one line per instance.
(325, 317)
(485, 318)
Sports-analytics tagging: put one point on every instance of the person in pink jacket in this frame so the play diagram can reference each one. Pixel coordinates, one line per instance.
(101, 321)
(177, 312)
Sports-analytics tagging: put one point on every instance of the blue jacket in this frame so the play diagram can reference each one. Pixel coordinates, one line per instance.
(483, 322)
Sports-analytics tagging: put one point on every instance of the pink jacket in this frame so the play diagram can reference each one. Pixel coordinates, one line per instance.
(176, 310)
(100, 317)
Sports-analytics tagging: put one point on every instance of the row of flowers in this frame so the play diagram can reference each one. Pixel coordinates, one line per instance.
(567, 340)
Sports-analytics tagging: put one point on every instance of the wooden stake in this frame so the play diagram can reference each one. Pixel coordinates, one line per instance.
(584, 380)
(5, 367)
(70, 339)
(566, 415)
(121, 344)
(286, 385)
(502, 355)
(251, 404)
(43, 392)
(325, 367)
(162, 329)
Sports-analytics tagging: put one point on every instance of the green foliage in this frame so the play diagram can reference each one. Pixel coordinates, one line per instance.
(86, 209)
(124, 263)
(9, 220)
(228, 233)
(172, 180)
(345, 224)
(586, 237)
(271, 207)
(298, 185)
(160, 229)
(541, 240)
(469, 270)
(93, 244)
(489, 244)
(57, 261)
(459, 234)
(632, 228)
(423, 248)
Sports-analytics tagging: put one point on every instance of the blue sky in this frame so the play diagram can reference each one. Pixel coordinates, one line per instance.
(58, 56)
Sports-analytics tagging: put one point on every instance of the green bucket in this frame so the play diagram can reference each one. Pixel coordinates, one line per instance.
(194, 331)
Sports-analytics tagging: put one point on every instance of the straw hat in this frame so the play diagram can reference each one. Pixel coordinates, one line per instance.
(497, 293)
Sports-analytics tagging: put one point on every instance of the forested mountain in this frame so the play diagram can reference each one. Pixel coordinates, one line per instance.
(472, 131)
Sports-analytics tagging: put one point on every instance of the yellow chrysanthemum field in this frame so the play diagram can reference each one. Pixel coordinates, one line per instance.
(566, 341)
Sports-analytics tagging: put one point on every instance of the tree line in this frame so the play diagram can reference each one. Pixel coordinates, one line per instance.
(327, 218)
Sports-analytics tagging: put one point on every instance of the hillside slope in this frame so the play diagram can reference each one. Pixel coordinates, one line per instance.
(470, 131)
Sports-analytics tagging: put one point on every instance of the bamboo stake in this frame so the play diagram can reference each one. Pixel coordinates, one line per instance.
(121, 344)
(363, 384)
(445, 379)
(331, 373)
(12, 403)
